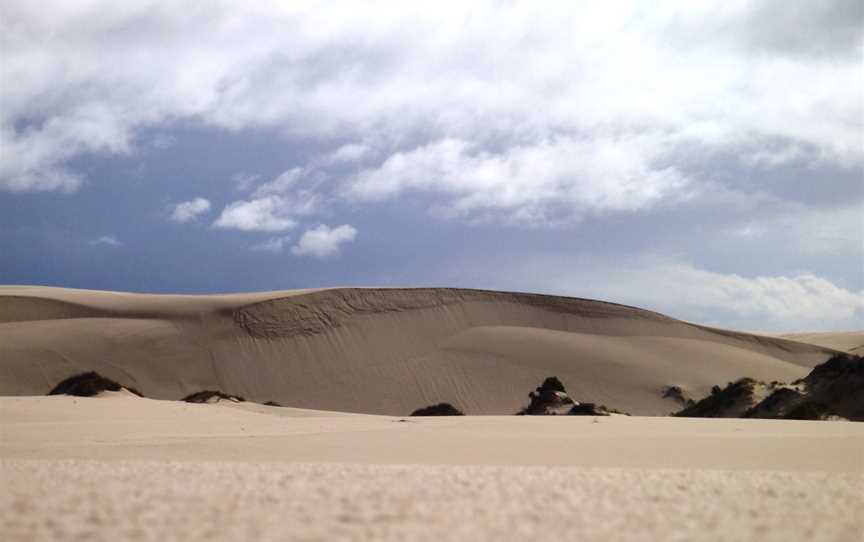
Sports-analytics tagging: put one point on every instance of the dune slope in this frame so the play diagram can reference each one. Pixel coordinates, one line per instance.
(386, 351)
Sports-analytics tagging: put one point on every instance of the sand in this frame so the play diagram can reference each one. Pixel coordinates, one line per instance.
(379, 351)
(125, 427)
(847, 341)
(340, 462)
(119, 467)
(253, 501)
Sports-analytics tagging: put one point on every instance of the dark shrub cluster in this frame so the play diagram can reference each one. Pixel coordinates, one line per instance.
(88, 385)
(723, 402)
(552, 384)
(548, 399)
(206, 395)
(441, 409)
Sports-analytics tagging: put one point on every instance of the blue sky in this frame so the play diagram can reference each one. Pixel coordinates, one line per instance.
(701, 159)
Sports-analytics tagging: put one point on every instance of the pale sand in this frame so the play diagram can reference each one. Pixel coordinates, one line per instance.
(848, 341)
(118, 467)
(381, 351)
(87, 500)
(119, 427)
(124, 468)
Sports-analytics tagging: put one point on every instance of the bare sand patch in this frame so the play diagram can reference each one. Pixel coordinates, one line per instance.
(89, 500)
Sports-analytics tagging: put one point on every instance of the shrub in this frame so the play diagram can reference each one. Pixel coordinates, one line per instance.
(206, 395)
(88, 385)
(552, 384)
(441, 409)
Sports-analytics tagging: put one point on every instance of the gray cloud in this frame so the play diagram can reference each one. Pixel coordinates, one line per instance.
(397, 82)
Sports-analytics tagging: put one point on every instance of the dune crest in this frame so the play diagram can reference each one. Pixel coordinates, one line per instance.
(377, 350)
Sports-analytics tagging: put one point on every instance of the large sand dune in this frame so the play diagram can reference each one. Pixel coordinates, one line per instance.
(385, 351)
(121, 467)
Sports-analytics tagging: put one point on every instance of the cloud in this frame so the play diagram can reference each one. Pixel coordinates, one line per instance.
(803, 300)
(350, 153)
(322, 242)
(502, 78)
(823, 233)
(274, 245)
(531, 182)
(269, 214)
(188, 211)
(275, 205)
(799, 301)
(244, 181)
(108, 241)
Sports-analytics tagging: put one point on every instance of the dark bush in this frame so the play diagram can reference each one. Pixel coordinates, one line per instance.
(552, 384)
(725, 402)
(88, 385)
(588, 409)
(206, 395)
(441, 409)
(272, 403)
(810, 410)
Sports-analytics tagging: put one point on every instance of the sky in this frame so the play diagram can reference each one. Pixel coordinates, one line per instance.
(702, 159)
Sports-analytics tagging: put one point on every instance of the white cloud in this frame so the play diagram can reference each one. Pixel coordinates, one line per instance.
(800, 301)
(275, 205)
(107, 240)
(269, 214)
(353, 152)
(804, 300)
(504, 77)
(322, 242)
(188, 211)
(533, 181)
(274, 245)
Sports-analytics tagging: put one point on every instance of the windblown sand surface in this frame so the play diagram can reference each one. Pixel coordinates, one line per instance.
(847, 341)
(246, 501)
(382, 351)
(118, 467)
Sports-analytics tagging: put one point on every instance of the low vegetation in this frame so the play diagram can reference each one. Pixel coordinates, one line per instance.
(833, 390)
(88, 385)
(731, 401)
(211, 396)
(551, 399)
(441, 409)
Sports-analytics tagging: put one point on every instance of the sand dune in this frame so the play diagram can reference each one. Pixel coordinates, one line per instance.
(847, 341)
(384, 351)
(122, 467)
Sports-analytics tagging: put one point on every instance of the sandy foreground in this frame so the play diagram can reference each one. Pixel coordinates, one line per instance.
(125, 468)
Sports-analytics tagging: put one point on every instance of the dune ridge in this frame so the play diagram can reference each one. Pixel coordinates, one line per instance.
(378, 350)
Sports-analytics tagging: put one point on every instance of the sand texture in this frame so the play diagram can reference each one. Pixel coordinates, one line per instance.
(847, 341)
(382, 351)
(340, 462)
(118, 467)
(245, 501)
